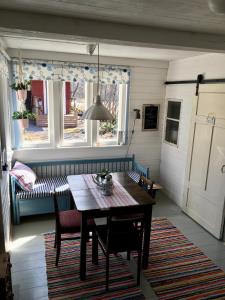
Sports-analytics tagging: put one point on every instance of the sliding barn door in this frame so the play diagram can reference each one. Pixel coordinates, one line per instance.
(205, 195)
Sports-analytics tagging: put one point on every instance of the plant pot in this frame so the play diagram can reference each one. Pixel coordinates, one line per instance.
(23, 123)
(21, 95)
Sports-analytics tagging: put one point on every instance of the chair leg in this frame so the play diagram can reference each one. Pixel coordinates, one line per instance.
(107, 272)
(58, 244)
(128, 255)
(55, 243)
(94, 247)
(139, 267)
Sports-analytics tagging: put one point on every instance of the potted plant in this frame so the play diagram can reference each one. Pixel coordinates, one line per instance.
(23, 118)
(21, 88)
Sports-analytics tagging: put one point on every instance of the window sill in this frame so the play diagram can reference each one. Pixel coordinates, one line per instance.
(65, 147)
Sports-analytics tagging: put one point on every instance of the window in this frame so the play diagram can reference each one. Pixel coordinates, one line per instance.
(34, 130)
(172, 121)
(108, 131)
(74, 128)
(59, 95)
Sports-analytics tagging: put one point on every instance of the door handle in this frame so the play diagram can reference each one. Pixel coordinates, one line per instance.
(223, 169)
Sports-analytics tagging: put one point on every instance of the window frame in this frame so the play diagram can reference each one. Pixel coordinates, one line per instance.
(56, 120)
(174, 120)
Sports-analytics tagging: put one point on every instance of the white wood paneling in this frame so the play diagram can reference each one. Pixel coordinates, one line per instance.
(174, 160)
(146, 86)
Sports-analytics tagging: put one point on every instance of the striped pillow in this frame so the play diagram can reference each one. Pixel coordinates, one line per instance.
(25, 176)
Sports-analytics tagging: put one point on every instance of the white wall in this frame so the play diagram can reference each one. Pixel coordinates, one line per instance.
(174, 159)
(146, 86)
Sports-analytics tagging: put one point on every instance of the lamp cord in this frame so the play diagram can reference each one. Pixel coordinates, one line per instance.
(132, 133)
(98, 73)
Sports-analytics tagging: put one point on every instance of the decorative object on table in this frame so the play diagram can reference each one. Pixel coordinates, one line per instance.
(97, 111)
(150, 118)
(104, 181)
(23, 118)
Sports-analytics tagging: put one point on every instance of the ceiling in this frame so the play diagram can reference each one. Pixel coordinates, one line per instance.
(144, 29)
(186, 15)
(28, 43)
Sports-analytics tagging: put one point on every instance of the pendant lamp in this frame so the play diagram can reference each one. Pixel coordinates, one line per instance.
(97, 111)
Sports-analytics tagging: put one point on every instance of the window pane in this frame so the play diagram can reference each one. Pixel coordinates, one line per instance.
(107, 131)
(74, 106)
(172, 131)
(173, 110)
(35, 131)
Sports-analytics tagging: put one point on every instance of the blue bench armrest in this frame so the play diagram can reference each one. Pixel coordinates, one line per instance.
(141, 170)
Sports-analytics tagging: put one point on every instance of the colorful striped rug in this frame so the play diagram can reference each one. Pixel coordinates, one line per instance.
(64, 281)
(180, 270)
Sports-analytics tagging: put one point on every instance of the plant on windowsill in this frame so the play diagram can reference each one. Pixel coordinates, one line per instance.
(23, 118)
(21, 88)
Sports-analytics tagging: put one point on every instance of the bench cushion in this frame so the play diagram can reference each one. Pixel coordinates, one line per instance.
(134, 175)
(44, 187)
(24, 176)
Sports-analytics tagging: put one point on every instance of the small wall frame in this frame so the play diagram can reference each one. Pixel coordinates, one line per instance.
(150, 116)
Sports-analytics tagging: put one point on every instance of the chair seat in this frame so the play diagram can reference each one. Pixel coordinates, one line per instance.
(70, 221)
(123, 238)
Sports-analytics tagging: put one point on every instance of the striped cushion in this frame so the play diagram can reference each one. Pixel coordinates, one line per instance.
(134, 175)
(44, 187)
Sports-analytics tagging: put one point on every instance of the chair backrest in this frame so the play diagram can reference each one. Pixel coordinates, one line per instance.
(121, 219)
(147, 184)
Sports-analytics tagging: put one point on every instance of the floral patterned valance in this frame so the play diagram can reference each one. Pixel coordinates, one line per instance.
(46, 70)
(4, 70)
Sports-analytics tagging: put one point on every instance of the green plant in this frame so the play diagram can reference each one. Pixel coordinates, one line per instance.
(103, 173)
(21, 85)
(17, 115)
(106, 127)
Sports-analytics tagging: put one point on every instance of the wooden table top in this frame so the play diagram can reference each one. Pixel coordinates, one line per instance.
(85, 201)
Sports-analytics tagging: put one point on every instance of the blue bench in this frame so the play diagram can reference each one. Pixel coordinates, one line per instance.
(54, 173)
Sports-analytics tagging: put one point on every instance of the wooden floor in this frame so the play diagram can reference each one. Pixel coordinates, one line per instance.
(28, 256)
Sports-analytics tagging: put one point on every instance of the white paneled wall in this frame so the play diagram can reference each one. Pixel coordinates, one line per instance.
(147, 86)
(174, 159)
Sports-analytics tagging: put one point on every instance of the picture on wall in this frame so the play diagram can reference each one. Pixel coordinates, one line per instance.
(150, 115)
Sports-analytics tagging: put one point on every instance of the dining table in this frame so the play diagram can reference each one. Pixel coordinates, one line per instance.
(89, 202)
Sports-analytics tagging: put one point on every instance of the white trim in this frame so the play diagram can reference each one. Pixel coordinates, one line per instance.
(174, 120)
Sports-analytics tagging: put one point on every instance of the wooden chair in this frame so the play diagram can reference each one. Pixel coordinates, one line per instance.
(121, 235)
(68, 222)
(150, 186)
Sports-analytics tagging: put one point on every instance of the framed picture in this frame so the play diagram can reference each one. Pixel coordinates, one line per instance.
(150, 115)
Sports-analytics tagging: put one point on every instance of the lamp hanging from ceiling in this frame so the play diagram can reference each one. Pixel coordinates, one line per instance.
(97, 111)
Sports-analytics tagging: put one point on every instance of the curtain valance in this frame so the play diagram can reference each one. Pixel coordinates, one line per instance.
(4, 70)
(46, 70)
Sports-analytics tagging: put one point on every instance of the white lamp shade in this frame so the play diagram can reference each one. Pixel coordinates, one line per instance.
(97, 112)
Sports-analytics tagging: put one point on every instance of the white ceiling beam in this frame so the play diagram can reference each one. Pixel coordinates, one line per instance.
(108, 32)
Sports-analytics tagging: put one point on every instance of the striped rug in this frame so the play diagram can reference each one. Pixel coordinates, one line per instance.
(64, 282)
(180, 270)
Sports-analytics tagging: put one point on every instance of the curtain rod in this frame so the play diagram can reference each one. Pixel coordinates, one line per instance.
(64, 62)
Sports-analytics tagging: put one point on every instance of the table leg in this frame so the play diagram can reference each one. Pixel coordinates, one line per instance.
(147, 232)
(83, 244)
